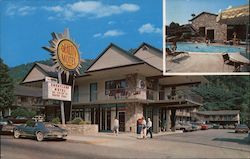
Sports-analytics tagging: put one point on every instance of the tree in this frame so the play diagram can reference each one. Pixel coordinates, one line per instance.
(227, 93)
(6, 87)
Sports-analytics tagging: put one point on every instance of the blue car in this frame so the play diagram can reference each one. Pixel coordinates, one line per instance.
(40, 131)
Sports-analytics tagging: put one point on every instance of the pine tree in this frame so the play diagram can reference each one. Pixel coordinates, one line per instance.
(6, 87)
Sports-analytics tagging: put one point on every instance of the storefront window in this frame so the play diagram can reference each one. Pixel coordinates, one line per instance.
(115, 85)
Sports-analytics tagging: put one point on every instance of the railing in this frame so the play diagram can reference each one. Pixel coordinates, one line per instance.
(179, 95)
(139, 93)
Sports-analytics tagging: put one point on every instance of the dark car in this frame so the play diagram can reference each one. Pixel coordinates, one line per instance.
(6, 126)
(241, 128)
(40, 131)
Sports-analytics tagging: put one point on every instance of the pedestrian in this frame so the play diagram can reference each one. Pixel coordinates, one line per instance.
(144, 128)
(116, 126)
(149, 128)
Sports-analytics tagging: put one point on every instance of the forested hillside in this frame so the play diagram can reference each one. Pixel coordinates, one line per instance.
(18, 73)
(227, 93)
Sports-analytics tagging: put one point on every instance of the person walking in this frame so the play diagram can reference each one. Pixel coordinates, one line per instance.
(144, 128)
(149, 128)
(116, 126)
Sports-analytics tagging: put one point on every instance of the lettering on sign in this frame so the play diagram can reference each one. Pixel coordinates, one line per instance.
(56, 91)
(68, 54)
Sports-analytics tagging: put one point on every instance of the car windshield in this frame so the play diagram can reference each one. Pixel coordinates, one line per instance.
(48, 125)
(242, 126)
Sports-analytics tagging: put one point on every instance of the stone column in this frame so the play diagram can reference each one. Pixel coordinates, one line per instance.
(156, 127)
(173, 119)
(168, 120)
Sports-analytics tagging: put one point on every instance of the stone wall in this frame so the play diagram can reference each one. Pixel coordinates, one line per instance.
(134, 112)
(86, 129)
(209, 22)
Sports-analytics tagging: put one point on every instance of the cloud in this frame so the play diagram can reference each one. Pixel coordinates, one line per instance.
(91, 9)
(21, 11)
(97, 35)
(109, 33)
(111, 22)
(113, 33)
(149, 28)
(229, 7)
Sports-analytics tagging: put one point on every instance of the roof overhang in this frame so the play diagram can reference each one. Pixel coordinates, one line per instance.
(235, 16)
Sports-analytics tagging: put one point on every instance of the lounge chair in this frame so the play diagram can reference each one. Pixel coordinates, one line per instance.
(175, 53)
(236, 64)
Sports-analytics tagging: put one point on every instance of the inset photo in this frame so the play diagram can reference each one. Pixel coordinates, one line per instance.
(203, 38)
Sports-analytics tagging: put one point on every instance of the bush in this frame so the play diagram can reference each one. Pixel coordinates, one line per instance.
(29, 122)
(77, 120)
(23, 112)
(56, 120)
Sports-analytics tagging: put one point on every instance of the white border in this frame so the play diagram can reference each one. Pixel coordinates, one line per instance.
(164, 16)
(163, 35)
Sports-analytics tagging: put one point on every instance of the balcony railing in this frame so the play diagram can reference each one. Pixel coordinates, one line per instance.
(139, 93)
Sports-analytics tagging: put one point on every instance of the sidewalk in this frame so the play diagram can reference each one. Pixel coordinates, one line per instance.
(104, 138)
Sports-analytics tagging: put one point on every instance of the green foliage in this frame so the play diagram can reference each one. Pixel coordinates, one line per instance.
(17, 73)
(23, 112)
(78, 121)
(56, 120)
(227, 93)
(29, 122)
(6, 87)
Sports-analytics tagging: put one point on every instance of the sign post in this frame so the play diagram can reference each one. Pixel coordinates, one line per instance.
(66, 57)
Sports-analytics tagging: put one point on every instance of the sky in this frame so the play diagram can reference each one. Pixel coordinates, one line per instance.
(180, 10)
(26, 26)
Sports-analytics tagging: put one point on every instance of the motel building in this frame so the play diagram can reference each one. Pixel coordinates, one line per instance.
(124, 85)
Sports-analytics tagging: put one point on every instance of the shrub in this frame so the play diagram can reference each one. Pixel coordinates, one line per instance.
(29, 122)
(56, 120)
(77, 120)
(23, 112)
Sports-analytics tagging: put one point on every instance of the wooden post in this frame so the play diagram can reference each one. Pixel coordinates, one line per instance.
(61, 102)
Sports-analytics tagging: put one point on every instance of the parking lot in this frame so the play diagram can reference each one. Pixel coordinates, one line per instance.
(214, 143)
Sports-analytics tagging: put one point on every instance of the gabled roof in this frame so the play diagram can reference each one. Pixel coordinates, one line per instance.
(126, 54)
(150, 46)
(44, 69)
(155, 61)
(202, 14)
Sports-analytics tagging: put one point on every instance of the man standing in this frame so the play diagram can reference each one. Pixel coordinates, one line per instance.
(149, 127)
(116, 126)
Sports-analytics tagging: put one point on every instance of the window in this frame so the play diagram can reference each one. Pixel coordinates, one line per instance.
(93, 91)
(76, 94)
(115, 85)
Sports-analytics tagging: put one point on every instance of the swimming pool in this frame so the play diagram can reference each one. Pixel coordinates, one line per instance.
(202, 47)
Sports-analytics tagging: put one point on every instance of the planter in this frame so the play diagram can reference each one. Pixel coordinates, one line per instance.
(85, 129)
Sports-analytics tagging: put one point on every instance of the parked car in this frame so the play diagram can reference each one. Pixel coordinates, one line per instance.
(40, 131)
(241, 128)
(6, 126)
(204, 127)
(216, 126)
(18, 119)
(183, 126)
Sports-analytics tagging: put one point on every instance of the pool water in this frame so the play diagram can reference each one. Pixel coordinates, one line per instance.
(202, 47)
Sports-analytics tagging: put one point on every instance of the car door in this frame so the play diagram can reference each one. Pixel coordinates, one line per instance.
(29, 129)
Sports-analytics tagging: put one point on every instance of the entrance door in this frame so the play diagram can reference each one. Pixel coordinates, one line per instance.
(122, 121)
(210, 34)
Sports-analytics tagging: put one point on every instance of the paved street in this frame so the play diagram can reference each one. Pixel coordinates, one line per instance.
(200, 144)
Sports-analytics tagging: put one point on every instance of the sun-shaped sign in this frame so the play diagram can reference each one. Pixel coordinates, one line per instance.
(65, 53)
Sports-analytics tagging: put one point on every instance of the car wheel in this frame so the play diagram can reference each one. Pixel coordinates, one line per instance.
(39, 136)
(16, 134)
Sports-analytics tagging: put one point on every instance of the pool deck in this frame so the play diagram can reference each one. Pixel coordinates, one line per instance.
(200, 62)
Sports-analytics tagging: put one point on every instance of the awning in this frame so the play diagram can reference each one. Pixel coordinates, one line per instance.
(234, 16)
